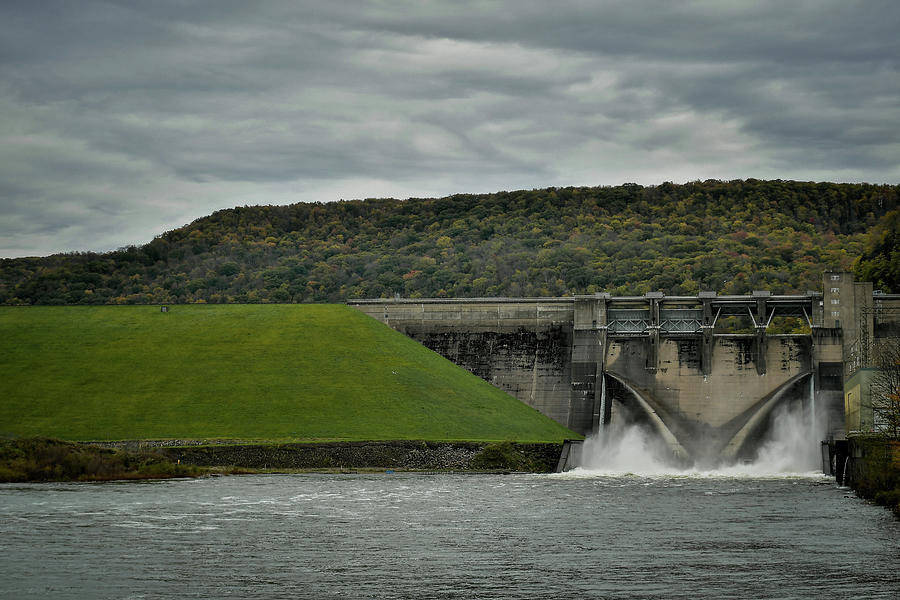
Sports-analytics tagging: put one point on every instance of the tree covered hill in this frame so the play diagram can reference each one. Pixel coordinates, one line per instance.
(731, 237)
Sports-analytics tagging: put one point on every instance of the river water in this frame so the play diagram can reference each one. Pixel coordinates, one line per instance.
(583, 534)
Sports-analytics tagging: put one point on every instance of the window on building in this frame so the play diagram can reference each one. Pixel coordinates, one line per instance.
(835, 277)
(835, 301)
(835, 313)
(835, 290)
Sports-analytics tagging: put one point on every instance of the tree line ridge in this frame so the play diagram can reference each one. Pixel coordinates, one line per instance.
(730, 237)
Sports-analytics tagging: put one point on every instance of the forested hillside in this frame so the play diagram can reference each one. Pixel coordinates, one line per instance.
(730, 237)
(880, 261)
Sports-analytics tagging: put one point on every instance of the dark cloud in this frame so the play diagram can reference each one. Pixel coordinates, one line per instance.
(120, 120)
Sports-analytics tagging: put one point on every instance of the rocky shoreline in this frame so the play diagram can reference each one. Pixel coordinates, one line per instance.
(344, 456)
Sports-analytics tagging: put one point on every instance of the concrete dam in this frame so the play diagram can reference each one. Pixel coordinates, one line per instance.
(589, 361)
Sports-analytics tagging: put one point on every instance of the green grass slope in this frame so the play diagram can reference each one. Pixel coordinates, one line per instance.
(242, 372)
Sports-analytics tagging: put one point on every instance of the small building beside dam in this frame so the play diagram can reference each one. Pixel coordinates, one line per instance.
(707, 372)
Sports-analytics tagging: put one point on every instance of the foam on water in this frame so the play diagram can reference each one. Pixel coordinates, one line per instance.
(791, 450)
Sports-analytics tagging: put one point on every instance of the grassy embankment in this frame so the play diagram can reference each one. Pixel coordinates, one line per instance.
(278, 373)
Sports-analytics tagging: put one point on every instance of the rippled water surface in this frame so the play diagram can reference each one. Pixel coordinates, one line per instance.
(447, 536)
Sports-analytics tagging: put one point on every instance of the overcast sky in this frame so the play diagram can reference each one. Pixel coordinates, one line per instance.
(122, 120)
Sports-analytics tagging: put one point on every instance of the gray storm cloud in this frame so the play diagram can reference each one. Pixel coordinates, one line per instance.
(120, 120)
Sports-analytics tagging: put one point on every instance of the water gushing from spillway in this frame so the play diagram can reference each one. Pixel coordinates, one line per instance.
(791, 447)
(812, 401)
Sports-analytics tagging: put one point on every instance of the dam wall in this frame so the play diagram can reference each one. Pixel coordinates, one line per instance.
(521, 346)
(587, 361)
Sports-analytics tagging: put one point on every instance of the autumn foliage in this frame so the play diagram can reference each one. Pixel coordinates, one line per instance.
(730, 237)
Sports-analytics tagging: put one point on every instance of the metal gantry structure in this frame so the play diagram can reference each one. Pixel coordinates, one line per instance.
(691, 315)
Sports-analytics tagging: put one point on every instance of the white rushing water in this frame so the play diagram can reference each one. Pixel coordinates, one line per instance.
(791, 449)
